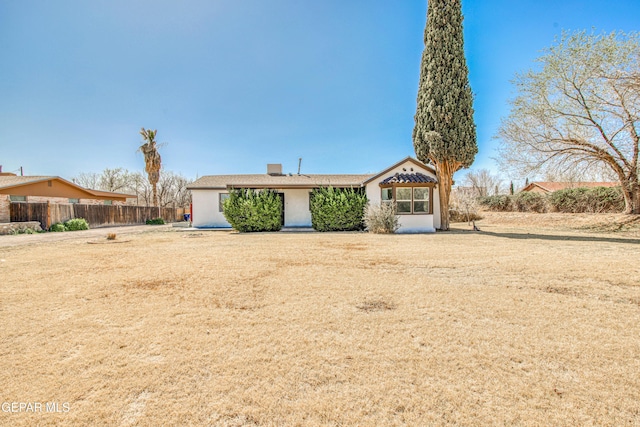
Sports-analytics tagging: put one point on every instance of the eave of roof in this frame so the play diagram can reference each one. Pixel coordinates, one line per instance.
(217, 182)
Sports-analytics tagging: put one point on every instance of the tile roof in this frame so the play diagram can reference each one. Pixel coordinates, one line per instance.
(277, 181)
(555, 186)
(409, 178)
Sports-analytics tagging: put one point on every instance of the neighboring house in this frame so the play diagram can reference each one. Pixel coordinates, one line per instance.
(409, 183)
(550, 187)
(51, 189)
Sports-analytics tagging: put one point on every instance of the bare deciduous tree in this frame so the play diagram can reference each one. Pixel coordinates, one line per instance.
(483, 183)
(579, 111)
(171, 187)
(87, 180)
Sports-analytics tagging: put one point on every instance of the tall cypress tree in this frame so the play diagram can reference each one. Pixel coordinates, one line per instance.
(444, 132)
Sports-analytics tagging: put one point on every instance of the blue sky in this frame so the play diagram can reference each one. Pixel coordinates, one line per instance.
(231, 85)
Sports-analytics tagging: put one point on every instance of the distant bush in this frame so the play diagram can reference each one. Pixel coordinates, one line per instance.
(456, 215)
(337, 209)
(76, 224)
(591, 200)
(57, 227)
(498, 203)
(155, 221)
(527, 201)
(569, 200)
(250, 211)
(381, 219)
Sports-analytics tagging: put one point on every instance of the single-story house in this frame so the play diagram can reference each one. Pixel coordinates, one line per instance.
(410, 184)
(550, 187)
(52, 189)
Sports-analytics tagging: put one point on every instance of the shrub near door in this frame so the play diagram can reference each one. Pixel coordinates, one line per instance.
(337, 209)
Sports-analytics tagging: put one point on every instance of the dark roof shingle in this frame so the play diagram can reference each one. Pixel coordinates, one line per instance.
(408, 178)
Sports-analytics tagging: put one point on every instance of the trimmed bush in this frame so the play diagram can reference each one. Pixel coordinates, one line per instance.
(250, 211)
(381, 219)
(155, 221)
(591, 200)
(57, 227)
(76, 224)
(337, 209)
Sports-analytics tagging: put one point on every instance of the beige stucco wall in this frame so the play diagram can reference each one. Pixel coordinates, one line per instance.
(409, 223)
(206, 212)
(5, 206)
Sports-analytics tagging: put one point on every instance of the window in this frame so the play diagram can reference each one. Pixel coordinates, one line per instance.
(403, 200)
(387, 195)
(409, 200)
(420, 200)
(18, 198)
(74, 201)
(221, 198)
(108, 202)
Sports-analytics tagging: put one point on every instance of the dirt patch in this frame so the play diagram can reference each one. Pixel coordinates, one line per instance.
(376, 305)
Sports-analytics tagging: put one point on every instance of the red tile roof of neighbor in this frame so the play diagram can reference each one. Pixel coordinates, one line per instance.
(550, 187)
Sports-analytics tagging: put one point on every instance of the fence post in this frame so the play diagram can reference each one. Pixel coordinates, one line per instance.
(48, 215)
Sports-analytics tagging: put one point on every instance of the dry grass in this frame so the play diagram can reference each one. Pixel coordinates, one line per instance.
(508, 326)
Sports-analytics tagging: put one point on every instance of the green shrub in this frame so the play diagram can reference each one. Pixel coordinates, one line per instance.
(336, 209)
(76, 224)
(249, 210)
(57, 227)
(527, 201)
(381, 218)
(499, 203)
(592, 200)
(155, 221)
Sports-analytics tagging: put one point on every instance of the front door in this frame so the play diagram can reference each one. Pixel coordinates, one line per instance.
(281, 195)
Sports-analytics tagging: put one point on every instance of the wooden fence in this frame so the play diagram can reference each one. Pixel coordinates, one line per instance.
(96, 215)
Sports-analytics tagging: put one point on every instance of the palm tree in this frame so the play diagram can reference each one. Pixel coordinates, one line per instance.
(151, 159)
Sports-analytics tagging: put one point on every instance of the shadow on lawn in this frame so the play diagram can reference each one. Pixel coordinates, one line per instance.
(527, 236)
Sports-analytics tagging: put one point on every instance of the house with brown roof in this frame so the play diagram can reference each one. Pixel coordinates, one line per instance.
(52, 189)
(410, 184)
(550, 187)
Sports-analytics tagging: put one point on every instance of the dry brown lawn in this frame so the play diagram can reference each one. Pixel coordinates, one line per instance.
(524, 323)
